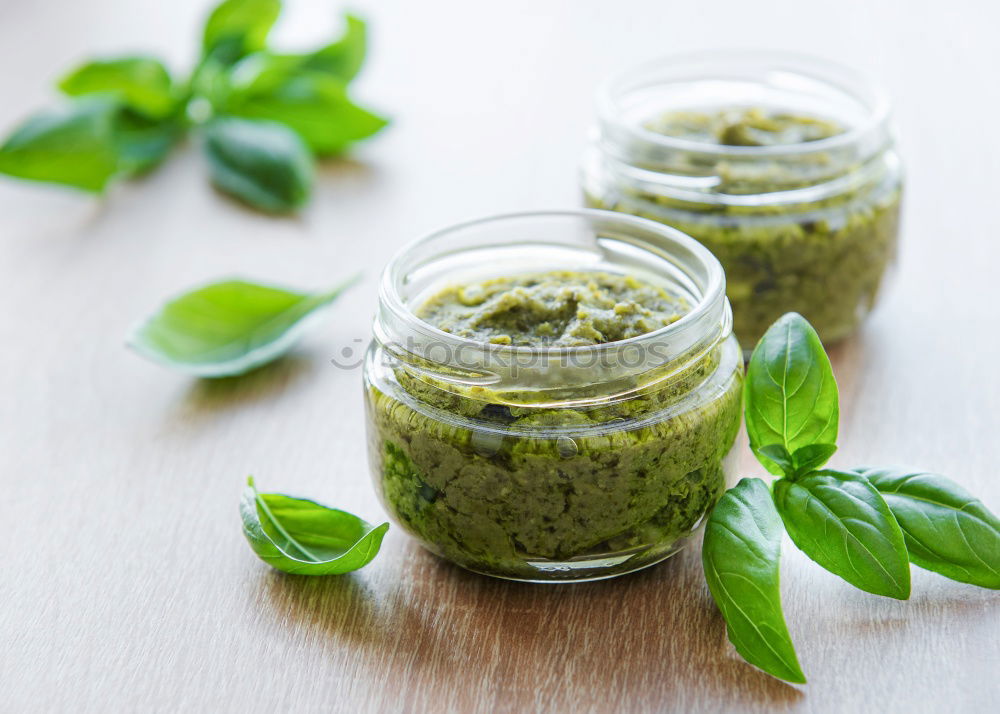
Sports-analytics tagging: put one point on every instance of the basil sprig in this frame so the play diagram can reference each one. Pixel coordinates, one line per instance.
(865, 525)
(302, 537)
(274, 112)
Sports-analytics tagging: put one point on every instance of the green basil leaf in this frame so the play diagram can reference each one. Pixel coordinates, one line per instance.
(779, 455)
(840, 520)
(805, 459)
(342, 59)
(790, 394)
(228, 328)
(235, 28)
(209, 86)
(812, 456)
(314, 104)
(142, 83)
(740, 557)
(73, 145)
(302, 537)
(947, 530)
(143, 143)
(262, 163)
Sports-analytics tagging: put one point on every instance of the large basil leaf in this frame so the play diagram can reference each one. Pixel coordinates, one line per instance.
(142, 83)
(314, 104)
(740, 556)
(302, 537)
(227, 328)
(262, 163)
(74, 145)
(947, 530)
(841, 521)
(235, 28)
(790, 394)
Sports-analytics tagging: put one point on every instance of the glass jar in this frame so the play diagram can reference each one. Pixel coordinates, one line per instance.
(809, 227)
(552, 463)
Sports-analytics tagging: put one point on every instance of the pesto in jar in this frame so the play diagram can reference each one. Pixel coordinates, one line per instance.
(741, 126)
(823, 255)
(504, 487)
(554, 309)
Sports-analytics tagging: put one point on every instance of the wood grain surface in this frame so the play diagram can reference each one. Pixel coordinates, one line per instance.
(126, 584)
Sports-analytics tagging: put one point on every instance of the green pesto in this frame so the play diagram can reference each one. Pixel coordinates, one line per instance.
(744, 126)
(536, 492)
(557, 309)
(823, 259)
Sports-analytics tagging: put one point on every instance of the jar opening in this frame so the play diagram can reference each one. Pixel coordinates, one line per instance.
(706, 80)
(582, 240)
(798, 88)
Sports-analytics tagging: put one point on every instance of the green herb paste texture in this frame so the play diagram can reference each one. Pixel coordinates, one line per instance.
(824, 259)
(496, 488)
(558, 308)
(744, 126)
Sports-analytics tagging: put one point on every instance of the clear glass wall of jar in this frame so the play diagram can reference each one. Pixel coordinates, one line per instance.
(809, 227)
(557, 463)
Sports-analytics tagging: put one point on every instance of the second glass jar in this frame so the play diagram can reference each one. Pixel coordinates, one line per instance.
(806, 224)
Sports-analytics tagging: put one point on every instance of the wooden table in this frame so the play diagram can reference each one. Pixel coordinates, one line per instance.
(127, 585)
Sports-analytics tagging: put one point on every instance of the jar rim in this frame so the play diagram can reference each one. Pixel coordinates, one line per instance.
(712, 293)
(833, 74)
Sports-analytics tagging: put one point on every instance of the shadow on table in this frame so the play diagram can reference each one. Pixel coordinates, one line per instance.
(266, 382)
(653, 640)
(346, 170)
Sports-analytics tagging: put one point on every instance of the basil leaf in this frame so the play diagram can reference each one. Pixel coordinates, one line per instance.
(342, 59)
(235, 28)
(805, 459)
(314, 104)
(143, 143)
(812, 456)
(227, 328)
(841, 521)
(209, 85)
(790, 393)
(73, 145)
(302, 537)
(740, 556)
(947, 530)
(142, 83)
(779, 455)
(262, 163)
